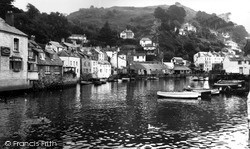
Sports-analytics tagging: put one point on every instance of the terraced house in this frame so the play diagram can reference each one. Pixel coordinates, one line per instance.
(13, 58)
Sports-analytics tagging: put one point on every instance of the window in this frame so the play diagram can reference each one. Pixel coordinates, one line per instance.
(16, 45)
(57, 70)
(76, 63)
(15, 65)
(239, 62)
(70, 63)
(47, 69)
(32, 67)
(137, 57)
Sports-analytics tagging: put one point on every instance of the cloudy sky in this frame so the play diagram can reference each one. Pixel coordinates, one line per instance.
(239, 8)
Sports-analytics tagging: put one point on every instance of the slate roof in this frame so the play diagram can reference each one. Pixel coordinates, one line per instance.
(57, 44)
(145, 39)
(146, 66)
(177, 67)
(10, 29)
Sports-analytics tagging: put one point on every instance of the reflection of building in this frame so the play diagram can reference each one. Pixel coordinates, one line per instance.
(13, 58)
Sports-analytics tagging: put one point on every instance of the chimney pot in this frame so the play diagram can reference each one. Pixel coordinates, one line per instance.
(9, 18)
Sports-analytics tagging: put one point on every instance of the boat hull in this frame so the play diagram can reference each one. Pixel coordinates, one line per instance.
(179, 95)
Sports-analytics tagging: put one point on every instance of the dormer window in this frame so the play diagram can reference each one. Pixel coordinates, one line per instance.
(16, 45)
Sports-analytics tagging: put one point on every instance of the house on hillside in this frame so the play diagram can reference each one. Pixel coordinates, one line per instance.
(55, 46)
(240, 65)
(145, 41)
(13, 58)
(185, 28)
(177, 61)
(127, 34)
(139, 57)
(77, 38)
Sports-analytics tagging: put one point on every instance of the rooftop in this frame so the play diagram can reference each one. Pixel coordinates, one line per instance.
(10, 29)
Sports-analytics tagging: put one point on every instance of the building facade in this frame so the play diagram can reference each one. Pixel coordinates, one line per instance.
(127, 34)
(240, 65)
(13, 58)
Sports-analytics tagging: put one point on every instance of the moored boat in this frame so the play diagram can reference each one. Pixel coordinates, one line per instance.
(230, 83)
(179, 95)
(125, 79)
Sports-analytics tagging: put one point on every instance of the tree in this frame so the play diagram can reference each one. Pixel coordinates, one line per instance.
(107, 36)
(32, 11)
(5, 6)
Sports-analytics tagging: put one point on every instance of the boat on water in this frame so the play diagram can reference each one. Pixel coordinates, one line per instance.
(179, 95)
(229, 83)
(203, 90)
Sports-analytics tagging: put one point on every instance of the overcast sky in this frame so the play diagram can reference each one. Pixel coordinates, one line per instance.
(239, 8)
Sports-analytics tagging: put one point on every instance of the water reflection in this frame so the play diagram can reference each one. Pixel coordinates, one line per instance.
(126, 115)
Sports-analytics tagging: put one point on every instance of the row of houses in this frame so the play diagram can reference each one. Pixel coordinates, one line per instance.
(231, 63)
(25, 63)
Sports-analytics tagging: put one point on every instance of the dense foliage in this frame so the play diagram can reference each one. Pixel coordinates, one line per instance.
(162, 24)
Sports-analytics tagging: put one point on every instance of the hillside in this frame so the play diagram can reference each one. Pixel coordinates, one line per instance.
(143, 21)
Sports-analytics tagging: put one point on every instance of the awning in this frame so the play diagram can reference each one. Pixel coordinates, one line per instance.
(15, 58)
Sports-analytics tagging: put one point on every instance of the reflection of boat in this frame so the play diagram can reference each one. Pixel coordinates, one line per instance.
(103, 81)
(199, 78)
(86, 82)
(96, 81)
(179, 95)
(125, 79)
(152, 78)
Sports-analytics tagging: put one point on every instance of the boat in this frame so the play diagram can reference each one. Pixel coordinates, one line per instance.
(103, 81)
(85, 82)
(96, 81)
(229, 83)
(202, 90)
(179, 95)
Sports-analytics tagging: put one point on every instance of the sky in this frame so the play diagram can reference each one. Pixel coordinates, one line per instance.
(239, 8)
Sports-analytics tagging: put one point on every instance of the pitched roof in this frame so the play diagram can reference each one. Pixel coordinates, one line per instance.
(239, 58)
(145, 39)
(178, 67)
(139, 54)
(10, 29)
(34, 46)
(57, 44)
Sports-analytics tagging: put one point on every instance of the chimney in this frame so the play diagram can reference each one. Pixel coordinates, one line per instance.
(33, 37)
(62, 40)
(9, 18)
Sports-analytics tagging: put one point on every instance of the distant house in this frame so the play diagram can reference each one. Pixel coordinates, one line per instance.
(180, 69)
(145, 41)
(71, 62)
(207, 61)
(85, 64)
(13, 58)
(185, 28)
(149, 68)
(239, 65)
(78, 38)
(177, 61)
(139, 57)
(127, 34)
(55, 46)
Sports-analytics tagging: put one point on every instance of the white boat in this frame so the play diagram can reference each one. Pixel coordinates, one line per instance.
(179, 95)
(125, 79)
(202, 90)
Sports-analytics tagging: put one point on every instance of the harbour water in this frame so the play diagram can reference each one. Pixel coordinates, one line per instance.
(125, 115)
